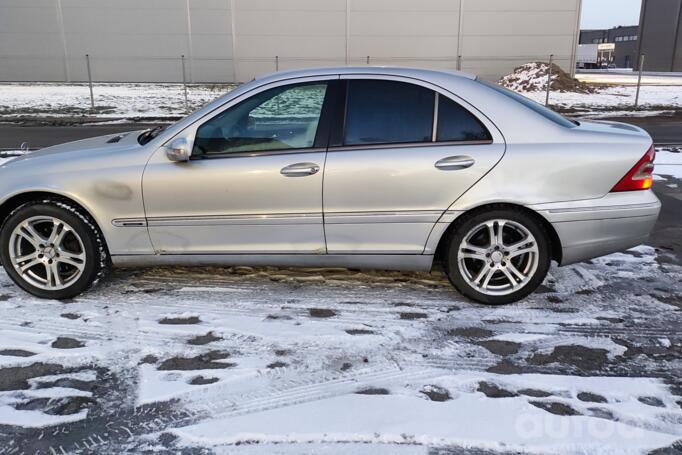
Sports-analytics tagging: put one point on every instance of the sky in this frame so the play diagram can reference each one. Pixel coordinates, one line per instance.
(609, 13)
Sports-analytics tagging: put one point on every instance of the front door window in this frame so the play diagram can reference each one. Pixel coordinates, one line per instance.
(281, 118)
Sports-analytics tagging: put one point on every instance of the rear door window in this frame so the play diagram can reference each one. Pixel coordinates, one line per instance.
(387, 112)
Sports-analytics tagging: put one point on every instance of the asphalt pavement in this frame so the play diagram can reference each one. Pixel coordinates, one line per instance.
(13, 135)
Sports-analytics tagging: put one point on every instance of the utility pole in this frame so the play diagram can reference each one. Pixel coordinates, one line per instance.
(639, 79)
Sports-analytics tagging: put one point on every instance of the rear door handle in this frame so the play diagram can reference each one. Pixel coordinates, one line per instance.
(454, 163)
(300, 170)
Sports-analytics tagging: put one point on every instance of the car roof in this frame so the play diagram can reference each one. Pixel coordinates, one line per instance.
(419, 73)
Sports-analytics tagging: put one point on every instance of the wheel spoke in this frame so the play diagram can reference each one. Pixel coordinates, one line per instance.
(57, 234)
(48, 276)
(28, 232)
(510, 278)
(74, 259)
(516, 271)
(491, 233)
(25, 267)
(27, 257)
(55, 274)
(500, 228)
(495, 229)
(488, 276)
(470, 251)
(485, 274)
(482, 273)
(475, 256)
(522, 248)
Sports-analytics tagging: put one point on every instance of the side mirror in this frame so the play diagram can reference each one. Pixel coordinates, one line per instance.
(178, 150)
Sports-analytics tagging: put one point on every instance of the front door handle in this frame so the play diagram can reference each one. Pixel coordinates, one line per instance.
(300, 170)
(454, 163)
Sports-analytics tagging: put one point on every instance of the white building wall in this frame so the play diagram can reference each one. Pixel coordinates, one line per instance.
(236, 40)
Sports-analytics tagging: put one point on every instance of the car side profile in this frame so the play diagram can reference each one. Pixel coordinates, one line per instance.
(384, 168)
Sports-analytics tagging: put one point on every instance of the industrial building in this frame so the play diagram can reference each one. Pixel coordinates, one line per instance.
(624, 41)
(237, 40)
(661, 35)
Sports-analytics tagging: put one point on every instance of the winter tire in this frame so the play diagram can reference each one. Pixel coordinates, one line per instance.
(52, 249)
(498, 256)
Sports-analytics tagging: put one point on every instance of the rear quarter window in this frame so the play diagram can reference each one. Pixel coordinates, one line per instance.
(456, 124)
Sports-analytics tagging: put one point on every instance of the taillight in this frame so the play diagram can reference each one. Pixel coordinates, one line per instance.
(640, 177)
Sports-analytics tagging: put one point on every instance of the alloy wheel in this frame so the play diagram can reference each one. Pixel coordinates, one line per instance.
(47, 253)
(498, 257)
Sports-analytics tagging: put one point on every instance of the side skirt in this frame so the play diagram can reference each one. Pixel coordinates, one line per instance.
(404, 262)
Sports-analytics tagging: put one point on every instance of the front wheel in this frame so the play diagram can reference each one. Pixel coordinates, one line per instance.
(498, 256)
(52, 250)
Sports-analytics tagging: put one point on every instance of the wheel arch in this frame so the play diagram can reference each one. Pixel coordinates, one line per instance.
(556, 251)
(17, 200)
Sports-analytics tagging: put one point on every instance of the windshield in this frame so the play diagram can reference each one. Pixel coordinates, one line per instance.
(150, 134)
(537, 107)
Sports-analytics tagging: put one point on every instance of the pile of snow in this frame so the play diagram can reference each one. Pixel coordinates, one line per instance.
(532, 77)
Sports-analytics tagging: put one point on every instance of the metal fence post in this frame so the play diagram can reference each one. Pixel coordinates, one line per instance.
(368, 59)
(92, 96)
(549, 78)
(276, 62)
(639, 79)
(459, 63)
(184, 82)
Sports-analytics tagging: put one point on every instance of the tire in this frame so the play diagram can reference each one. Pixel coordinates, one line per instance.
(49, 261)
(483, 273)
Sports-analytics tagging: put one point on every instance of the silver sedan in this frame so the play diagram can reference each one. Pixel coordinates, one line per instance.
(356, 167)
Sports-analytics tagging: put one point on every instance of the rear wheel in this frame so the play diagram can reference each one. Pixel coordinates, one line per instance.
(52, 250)
(498, 256)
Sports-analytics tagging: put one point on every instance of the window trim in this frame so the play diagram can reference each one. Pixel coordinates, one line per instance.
(337, 116)
(337, 143)
(402, 145)
(434, 126)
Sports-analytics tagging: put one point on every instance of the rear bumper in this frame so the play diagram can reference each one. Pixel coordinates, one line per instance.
(589, 229)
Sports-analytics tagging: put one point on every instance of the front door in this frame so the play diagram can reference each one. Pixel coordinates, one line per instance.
(254, 183)
(404, 154)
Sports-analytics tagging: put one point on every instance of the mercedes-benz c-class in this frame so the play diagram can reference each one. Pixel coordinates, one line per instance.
(367, 167)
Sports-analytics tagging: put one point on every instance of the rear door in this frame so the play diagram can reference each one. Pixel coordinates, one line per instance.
(401, 154)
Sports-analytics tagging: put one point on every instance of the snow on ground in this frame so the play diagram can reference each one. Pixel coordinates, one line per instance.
(668, 165)
(660, 94)
(160, 101)
(614, 101)
(111, 100)
(294, 361)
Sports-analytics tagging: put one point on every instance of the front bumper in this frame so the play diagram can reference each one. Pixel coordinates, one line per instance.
(596, 227)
